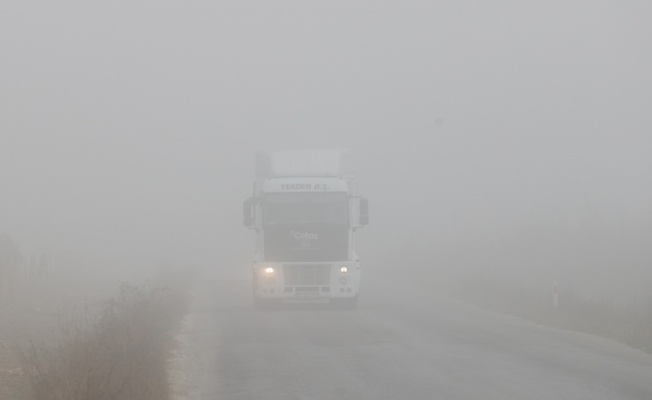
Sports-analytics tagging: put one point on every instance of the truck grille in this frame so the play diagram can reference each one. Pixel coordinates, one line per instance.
(307, 274)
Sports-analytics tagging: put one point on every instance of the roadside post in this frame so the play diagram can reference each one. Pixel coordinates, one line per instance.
(555, 294)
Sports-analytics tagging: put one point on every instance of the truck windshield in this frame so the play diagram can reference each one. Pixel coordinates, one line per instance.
(293, 208)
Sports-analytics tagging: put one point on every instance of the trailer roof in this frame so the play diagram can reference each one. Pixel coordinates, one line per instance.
(296, 163)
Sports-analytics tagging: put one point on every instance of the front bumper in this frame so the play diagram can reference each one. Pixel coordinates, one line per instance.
(303, 281)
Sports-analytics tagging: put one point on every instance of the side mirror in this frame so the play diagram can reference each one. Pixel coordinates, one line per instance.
(247, 213)
(364, 212)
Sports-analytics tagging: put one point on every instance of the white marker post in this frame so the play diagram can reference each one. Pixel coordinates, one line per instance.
(555, 294)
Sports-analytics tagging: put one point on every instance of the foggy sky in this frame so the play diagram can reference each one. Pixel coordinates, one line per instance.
(128, 129)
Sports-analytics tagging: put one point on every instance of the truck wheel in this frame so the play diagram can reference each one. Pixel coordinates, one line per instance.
(350, 303)
(263, 304)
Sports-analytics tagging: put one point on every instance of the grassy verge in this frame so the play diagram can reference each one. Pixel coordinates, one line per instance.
(118, 352)
(630, 325)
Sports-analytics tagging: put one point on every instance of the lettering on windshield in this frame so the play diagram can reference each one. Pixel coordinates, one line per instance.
(305, 239)
(304, 235)
(304, 186)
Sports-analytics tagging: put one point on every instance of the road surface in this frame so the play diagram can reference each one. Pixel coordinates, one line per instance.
(397, 345)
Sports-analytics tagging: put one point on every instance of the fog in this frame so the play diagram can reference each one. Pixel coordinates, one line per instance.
(508, 139)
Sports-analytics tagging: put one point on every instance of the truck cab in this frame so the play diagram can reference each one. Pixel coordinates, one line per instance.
(305, 212)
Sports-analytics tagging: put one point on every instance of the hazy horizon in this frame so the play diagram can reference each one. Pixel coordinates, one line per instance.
(503, 138)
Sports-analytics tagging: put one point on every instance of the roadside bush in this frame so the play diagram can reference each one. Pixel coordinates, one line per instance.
(119, 353)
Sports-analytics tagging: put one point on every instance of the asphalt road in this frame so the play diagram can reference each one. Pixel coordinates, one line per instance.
(398, 345)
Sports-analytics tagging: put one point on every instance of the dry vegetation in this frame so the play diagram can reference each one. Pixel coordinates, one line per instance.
(118, 352)
(627, 324)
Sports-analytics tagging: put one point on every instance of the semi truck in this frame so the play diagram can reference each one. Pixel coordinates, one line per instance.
(305, 212)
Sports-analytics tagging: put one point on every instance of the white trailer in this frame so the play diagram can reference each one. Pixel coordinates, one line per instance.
(305, 213)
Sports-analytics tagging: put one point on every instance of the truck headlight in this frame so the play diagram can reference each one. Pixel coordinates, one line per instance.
(269, 270)
(344, 269)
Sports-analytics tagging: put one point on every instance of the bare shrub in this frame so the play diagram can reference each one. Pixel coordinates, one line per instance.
(120, 353)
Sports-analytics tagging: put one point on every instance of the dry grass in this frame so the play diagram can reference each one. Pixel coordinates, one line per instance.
(119, 353)
(627, 324)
